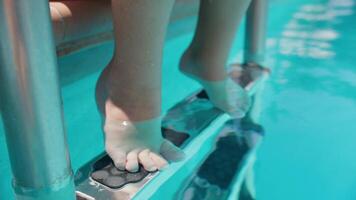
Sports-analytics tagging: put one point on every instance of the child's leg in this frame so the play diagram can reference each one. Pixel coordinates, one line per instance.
(206, 58)
(129, 90)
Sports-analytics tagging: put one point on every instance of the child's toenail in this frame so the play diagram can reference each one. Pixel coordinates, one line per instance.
(152, 169)
(133, 170)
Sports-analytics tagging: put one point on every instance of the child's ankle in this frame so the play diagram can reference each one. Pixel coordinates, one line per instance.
(202, 68)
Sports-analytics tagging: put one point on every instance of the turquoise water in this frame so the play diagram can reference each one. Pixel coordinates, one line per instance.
(309, 107)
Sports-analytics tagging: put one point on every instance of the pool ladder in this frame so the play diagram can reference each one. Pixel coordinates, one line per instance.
(30, 101)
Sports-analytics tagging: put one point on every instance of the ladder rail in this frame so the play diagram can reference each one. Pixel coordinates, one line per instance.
(30, 102)
(255, 31)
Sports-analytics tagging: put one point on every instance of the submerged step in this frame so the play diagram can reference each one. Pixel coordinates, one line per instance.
(216, 177)
(99, 179)
(196, 126)
(105, 172)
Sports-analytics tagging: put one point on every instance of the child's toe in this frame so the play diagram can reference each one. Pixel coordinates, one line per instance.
(159, 161)
(132, 161)
(119, 158)
(146, 161)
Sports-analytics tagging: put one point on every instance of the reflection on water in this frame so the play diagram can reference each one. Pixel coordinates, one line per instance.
(312, 85)
(311, 31)
(317, 36)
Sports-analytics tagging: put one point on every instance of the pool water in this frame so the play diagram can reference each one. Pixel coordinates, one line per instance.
(310, 106)
(309, 103)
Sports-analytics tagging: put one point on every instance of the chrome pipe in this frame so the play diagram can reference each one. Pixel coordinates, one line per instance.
(255, 31)
(254, 51)
(30, 102)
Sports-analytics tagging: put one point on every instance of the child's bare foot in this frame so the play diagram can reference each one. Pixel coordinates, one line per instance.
(223, 92)
(131, 143)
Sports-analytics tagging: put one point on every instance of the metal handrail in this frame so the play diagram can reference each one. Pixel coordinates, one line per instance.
(31, 104)
(255, 31)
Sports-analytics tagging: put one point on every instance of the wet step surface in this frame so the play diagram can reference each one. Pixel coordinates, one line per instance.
(105, 172)
(100, 179)
(216, 175)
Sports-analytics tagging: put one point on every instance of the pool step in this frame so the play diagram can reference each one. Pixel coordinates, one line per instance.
(195, 125)
(223, 142)
(216, 174)
(99, 179)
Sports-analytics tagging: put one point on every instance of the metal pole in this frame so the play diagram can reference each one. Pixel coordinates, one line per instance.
(255, 43)
(30, 103)
(255, 33)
